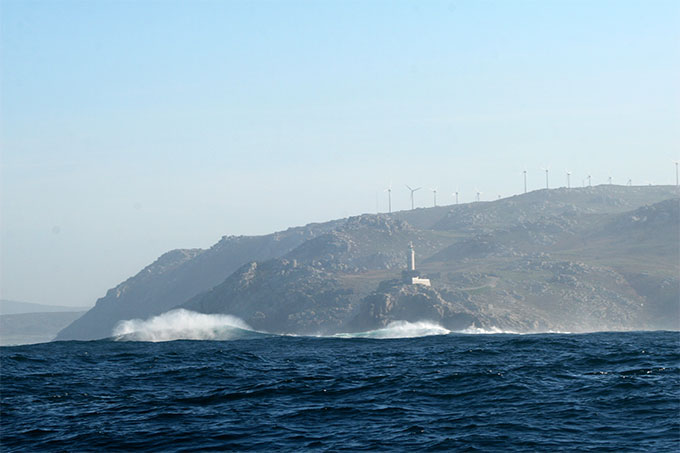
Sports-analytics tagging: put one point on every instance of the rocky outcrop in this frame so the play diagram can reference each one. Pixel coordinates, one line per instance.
(397, 302)
(280, 296)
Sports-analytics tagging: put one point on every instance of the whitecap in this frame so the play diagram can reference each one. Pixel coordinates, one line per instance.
(400, 329)
(473, 330)
(181, 324)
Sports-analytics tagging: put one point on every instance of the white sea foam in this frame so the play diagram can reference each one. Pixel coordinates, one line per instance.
(472, 330)
(181, 324)
(400, 329)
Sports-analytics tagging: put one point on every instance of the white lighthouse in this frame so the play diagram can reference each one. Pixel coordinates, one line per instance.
(411, 258)
(411, 275)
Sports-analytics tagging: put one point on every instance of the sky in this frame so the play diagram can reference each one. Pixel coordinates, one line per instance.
(130, 128)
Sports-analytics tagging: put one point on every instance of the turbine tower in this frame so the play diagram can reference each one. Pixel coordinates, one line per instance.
(568, 181)
(455, 194)
(478, 193)
(389, 198)
(610, 180)
(412, 190)
(589, 183)
(434, 192)
(546, 178)
(525, 181)
(676, 173)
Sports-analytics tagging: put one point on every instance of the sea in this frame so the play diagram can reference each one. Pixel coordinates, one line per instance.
(407, 387)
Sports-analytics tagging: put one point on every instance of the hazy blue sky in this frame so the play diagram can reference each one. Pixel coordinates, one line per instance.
(129, 128)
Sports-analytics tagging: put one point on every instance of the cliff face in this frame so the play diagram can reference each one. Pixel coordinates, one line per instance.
(179, 275)
(600, 258)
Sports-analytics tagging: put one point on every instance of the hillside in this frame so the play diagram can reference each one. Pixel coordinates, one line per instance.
(595, 258)
(181, 274)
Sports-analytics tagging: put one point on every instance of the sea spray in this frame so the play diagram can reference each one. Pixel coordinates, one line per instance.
(473, 330)
(400, 329)
(181, 324)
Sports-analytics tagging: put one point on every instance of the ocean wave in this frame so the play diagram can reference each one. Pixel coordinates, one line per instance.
(445, 391)
(400, 329)
(473, 330)
(183, 324)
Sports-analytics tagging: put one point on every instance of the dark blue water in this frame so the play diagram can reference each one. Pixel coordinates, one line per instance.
(604, 392)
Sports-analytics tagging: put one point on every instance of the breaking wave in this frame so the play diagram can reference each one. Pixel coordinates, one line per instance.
(183, 324)
(473, 330)
(400, 329)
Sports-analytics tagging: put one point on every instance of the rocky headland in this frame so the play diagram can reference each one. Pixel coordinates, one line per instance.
(594, 258)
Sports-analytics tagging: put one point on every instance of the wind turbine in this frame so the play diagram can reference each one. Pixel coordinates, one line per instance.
(568, 181)
(546, 178)
(412, 190)
(389, 197)
(525, 180)
(610, 180)
(589, 183)
(478, 193)
(455, 194)
(676, 173)
(630, 182)
(434, 191)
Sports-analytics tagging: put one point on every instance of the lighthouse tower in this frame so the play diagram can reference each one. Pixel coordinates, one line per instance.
(411, 258)
(411, 275)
